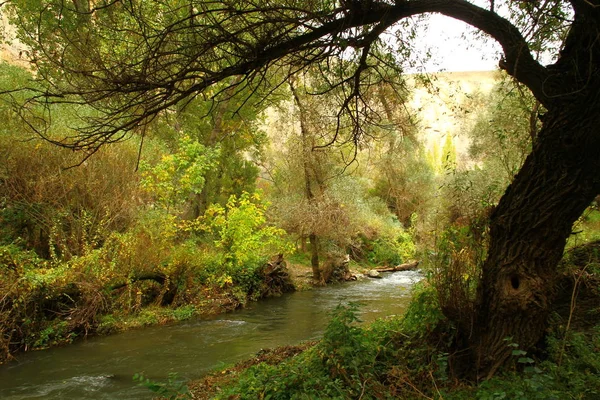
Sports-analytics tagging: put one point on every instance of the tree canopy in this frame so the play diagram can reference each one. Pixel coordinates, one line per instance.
(132, 60)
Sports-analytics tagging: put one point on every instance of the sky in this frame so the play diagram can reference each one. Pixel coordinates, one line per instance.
(453, 53)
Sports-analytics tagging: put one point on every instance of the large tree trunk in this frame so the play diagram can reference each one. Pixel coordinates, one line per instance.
(534, 218)
(528, 233)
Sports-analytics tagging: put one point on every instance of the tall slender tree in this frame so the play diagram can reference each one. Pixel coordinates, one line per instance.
(312, 177)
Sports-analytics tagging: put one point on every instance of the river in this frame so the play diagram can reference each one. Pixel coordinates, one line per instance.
(103, 367)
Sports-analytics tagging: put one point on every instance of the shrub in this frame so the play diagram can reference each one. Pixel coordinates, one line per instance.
(455, 269)
(392, 251)
(244, 239)
(43, 303)
(63, 213)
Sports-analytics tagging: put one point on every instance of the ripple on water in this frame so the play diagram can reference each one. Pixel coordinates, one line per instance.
(193, 347)
(87, 383)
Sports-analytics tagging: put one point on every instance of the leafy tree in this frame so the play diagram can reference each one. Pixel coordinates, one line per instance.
(404, 185)
(304, 172)
(504, 132)
(132, 60)
(234, 127)
(448, 160)
(178, 176)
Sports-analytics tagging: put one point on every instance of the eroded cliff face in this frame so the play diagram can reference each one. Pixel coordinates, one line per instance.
(450, 105)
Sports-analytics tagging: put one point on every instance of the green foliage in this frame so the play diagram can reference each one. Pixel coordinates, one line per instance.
(16, 259)
(392, 251)
(107, 324)
(179, 175)
(233, 128)
(37, 296)
(347, 351)
(423, 314)
(501, 137)
(242, 231)
(102, 258)
(401, 175)
(185, 312)
(587, 228)
(315, 191)
(174, 388)
(244, 239)
(56, 333)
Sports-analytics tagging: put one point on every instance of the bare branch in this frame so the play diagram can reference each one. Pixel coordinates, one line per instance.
(157, 68)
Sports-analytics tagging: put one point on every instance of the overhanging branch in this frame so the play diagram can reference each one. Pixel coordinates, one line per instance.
(127, 94)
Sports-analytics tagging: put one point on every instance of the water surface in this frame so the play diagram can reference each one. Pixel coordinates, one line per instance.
(103, 367)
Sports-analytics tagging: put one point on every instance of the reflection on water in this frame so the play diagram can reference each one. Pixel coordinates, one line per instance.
(103, 367)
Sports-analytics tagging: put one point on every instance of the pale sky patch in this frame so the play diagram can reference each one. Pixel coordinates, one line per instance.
(455, 47)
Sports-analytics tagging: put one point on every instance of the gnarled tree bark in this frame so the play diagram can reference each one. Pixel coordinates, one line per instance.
(528, 232)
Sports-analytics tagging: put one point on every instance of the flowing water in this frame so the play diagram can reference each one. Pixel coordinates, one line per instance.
(103, 367)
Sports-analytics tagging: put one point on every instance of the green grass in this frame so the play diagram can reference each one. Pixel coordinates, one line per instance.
(393, 359)
(586, 229)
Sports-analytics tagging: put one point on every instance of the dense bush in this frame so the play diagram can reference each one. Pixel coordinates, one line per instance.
(160, 260)
(391, 250)
(243, 241)
(44, 303)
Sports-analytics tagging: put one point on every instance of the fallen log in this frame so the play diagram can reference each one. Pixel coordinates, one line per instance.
(402, 267)
(158, 277)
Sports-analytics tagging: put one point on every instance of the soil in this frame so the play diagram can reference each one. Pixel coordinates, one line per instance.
(301, 276)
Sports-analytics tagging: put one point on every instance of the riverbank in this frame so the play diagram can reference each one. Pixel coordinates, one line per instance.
(408, 357)
(65, 306)
(102, 367)
(55, 306)
(216, 301)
